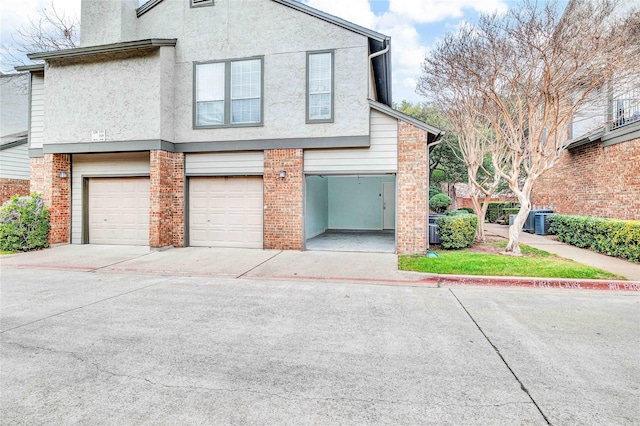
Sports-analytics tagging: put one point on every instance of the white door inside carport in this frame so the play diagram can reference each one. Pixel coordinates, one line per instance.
(119, 211)
(225, 212)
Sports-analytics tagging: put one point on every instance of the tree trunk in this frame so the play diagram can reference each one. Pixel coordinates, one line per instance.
(515, 229)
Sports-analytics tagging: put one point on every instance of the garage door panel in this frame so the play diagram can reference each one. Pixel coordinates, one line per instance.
(119, 211)
(226, 212)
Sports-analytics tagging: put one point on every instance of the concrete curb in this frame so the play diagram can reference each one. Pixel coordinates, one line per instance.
(429, 280)
(481, 281)
(532, 282)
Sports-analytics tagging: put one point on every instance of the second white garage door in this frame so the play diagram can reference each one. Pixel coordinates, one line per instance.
(119, 211)
(225, 212)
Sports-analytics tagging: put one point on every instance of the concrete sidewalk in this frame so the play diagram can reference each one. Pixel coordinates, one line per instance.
(370, 268)
(614, 265)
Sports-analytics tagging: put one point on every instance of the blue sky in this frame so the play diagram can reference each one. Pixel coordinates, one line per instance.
(414, 26)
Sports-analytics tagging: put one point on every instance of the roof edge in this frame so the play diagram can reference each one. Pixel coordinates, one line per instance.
(144, 8)
(13, 143)
(30, 68)
(404, 117)
(585, 138)
(301, 7)
(104, 48)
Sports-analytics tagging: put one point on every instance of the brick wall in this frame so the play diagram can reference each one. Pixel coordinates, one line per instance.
(45, 172)
(36, 175)
(11, 187)
(166, 217)
(283, 199)
(594, 180)
(412, 189)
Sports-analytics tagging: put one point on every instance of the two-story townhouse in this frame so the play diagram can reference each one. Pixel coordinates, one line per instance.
(226, 123)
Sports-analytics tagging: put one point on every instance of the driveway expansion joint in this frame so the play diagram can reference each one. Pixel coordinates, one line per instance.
(259, 265)
(504, 361)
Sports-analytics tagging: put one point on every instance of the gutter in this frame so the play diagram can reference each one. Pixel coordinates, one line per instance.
(370, 67)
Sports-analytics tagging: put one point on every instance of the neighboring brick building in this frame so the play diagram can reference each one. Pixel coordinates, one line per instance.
(594, 179)
(179, 132)
(599, 173)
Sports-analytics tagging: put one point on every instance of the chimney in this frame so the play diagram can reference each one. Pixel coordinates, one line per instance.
(107, 21)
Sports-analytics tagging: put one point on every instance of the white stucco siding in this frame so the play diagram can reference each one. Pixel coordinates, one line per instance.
(225, 163)
(14, 162)
(245, 28)
(120, 96)
(36, 135)
(100, 165)
(380, 157)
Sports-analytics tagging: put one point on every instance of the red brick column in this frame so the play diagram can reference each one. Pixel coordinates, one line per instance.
(413, 203)
(57, 195)
(178, 200)
(283, 198)
(11, 187)
(166, 224)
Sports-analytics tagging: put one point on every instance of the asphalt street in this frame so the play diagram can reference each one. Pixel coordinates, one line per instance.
(124, 348)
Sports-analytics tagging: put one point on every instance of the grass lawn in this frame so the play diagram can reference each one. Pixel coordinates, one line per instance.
(534, 263)
(5, 252)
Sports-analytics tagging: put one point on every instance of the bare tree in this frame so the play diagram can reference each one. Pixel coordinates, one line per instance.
(533, 68)
(53, 29)
(448, 85)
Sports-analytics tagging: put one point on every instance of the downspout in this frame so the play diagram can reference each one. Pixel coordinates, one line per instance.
(435, 142)
(375, 55)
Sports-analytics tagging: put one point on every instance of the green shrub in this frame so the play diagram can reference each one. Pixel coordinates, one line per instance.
(466, 209)
(496, 210)
(434, 190)
(24, 224)
(457, 231)
(439, 203)
(620, 238)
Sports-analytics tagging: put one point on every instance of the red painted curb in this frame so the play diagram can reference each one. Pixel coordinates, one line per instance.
(62, 268)
(544, 283)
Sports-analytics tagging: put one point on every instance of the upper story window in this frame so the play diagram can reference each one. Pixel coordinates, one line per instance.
(228, 93)
(320, 87)
(199, 3)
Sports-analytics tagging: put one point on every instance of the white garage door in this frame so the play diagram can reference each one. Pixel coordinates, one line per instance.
(119, 211)
(225, 212)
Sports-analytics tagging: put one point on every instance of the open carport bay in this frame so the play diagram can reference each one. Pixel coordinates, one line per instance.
(112, 348)
(350, 213)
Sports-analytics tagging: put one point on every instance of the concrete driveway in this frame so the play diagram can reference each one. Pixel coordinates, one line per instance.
(122, 348)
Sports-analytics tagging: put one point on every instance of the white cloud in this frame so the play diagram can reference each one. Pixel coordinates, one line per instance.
(356, 11)
(426, 11)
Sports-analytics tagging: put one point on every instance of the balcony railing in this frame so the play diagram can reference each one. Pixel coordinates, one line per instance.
(625, 109)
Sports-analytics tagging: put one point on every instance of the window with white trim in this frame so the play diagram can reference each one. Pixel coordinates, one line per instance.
(320, 87)
(228, 93)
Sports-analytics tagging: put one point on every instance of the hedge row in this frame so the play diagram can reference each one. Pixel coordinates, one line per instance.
(620, 238)
(496, 210)
(457, 231)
